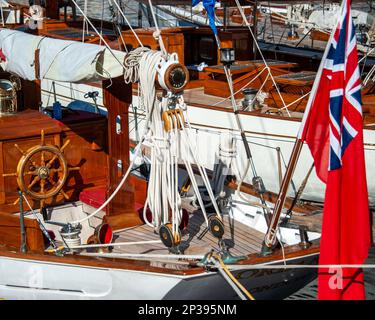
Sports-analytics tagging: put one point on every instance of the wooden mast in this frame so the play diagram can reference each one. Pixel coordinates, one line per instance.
(121, 211)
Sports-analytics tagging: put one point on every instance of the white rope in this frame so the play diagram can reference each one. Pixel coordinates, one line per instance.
(137, 149)
(157, 35)
(369, 75)
(297, 100)
(145, 256)
(239, 185)
(115, 244)
(231, 266)
(366, 55)
(158, 193)
(202, 170)
(131, 63)
(247, 84)
(299, 266)
(146, 77)
(230, 282)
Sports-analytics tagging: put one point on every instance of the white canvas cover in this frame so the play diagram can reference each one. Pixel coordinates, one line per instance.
(60, 60)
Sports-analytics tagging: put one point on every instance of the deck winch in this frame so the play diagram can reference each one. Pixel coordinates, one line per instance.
(71, 234)
(172, 75)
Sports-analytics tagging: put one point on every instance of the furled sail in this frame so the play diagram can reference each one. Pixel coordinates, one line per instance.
(35, 57)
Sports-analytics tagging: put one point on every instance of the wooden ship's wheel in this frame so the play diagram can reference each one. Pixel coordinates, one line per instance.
(42, 171)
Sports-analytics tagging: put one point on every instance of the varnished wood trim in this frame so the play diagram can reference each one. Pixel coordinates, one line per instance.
(292, 252)
(113, 263)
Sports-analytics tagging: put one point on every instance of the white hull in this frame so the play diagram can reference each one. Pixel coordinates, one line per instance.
(38, 280)
(25, 279)
(264, 134)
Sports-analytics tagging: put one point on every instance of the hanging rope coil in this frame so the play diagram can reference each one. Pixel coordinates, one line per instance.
(131, 63)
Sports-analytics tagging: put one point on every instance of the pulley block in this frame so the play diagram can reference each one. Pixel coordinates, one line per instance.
(173, 119)
(216, 226)
(167, 236)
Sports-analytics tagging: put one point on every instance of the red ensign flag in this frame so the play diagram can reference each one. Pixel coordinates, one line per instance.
(333, 129)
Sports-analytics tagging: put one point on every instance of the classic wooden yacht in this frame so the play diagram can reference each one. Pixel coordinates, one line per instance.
(270, 122)
(86, 213)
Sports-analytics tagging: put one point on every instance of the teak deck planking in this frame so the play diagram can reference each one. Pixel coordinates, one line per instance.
(196, 239)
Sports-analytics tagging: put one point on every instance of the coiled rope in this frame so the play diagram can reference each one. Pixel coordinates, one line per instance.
(131, 63)
(147, 62)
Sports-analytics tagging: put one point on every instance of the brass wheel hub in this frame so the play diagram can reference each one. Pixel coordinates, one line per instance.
(43, 173)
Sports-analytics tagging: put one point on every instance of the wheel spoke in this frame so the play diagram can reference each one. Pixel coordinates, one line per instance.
(42, 185)
(32, 162)
(64, 194)
(30, 173)
(36, 179)
(56, 170)
(51, 182)
(49, 164)
(42, 161)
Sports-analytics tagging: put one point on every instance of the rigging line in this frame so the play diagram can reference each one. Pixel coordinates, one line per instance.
(241, 290)
(366, 55)
(153, 58)
(282, 35)
(285, 166)
(261, 54)
(364, 63)
(158, 35)
(128, 23)
(251, 81)
(114, 244)
(250, 163)
(97, 32)
(116, 26)
(300, 266)
(297, 100)
(300, 191)
(145, 256)
(239, 124)
(41, 225)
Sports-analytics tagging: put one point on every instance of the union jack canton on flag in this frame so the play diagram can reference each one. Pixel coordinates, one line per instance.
(342, 64)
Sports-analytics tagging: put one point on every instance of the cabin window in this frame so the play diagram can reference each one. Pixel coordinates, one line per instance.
(207, 49)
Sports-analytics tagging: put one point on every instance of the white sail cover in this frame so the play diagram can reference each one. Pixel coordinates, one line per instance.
(59, 60)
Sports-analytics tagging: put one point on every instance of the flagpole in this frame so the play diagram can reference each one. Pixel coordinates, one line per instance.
(270, 237)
